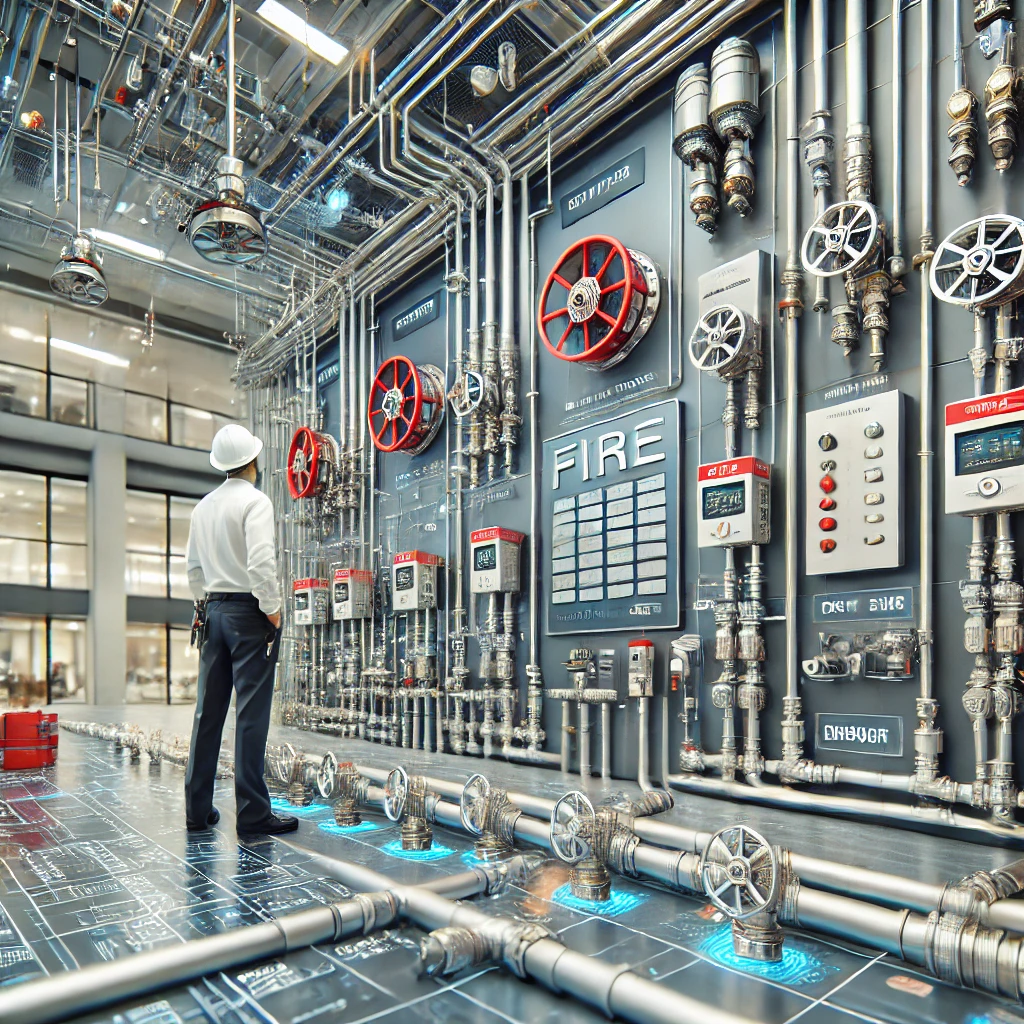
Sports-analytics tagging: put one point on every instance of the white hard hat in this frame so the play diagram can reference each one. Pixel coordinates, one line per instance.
(234, 447)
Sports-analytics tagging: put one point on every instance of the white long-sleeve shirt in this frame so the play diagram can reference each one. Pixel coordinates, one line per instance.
(231, 545)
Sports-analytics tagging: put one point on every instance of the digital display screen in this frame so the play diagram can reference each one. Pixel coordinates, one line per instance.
(302, 601)
(404, 577)
(994, 448)
(340, 592)
(724, 500)
(485, 557)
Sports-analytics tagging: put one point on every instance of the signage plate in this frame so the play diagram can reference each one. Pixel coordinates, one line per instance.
(420, 314)
(888, 604)
(603, 188)
(881, 735)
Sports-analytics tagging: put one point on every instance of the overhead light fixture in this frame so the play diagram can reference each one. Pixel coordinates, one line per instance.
(90, 353)
(148, 252)
(312, 38)
(337, 200)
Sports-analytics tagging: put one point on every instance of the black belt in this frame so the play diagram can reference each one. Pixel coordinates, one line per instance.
(230, 595)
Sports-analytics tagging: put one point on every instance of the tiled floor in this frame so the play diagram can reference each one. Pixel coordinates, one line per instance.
(95, 864)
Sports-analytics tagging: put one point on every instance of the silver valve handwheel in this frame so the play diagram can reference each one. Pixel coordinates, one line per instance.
(980, 263)
(841, 238)
(396, 792)
(572, 825)
(739, 872)
(473, 803)
(327, 775)
(723, 342)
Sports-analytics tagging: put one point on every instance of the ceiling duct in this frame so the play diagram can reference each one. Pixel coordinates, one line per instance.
(227, 229)
(77, 275)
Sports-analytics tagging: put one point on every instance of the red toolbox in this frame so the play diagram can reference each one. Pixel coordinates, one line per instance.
(28, 739)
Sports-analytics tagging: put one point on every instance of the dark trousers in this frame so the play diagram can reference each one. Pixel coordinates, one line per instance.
(240, 653)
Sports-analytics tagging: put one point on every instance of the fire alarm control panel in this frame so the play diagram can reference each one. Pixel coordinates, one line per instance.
(853, 466)
(985, 454)
(310, 600)
(414, 581)
(352, 596)
(495, 561)
(733, 503)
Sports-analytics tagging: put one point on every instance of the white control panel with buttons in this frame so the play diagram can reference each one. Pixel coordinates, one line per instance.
(853, 470)
(734, 503)
(985, 454)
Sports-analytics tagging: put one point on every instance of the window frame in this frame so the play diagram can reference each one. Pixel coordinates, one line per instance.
(49, 477)
(167, 554)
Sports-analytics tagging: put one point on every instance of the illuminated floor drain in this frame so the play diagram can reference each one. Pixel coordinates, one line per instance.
(436, 852)
(797, 966)
(347, 830)
(311, 811)
(617, 903)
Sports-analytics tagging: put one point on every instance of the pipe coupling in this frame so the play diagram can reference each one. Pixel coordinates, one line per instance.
(379, 909)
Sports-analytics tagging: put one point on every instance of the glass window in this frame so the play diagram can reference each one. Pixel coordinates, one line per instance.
(179, 578)
(181, 516)
(68, 664)
(68, 511)
(68, 567)
(23, 332)
(193, 428)
(145, 417)
(22, 505)
(69, 402)
(23, 561)
(146, 522)
(22, 391)
(22, 661)
(146, 678)
(184, 666)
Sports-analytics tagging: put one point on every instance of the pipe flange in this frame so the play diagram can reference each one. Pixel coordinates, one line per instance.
(515, 941)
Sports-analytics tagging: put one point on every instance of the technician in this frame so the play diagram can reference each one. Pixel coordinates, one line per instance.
(233, 566)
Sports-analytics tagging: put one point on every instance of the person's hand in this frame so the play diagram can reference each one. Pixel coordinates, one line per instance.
(275, 620)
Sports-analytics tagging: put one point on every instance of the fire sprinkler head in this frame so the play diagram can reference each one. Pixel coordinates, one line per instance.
(77, 275)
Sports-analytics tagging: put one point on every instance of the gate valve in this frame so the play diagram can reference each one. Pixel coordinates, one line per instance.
(406, 405)
(311, 459)
(598, 302)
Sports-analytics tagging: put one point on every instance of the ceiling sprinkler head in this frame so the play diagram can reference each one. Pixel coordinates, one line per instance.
(77, 275)
(227, 229)
(507, 66)
(483, 79)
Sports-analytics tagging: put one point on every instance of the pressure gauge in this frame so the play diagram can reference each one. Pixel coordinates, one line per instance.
(733, 503)
(414, 581)
(309, 599)
(494, 568)
(352, 596)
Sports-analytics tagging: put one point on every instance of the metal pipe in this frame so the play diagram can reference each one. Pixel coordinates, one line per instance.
(643, 778)
(610, 988)
(897, 264)
(229, 122)
(790, 309)
(584, 745)
(606, 740)
(820, 143)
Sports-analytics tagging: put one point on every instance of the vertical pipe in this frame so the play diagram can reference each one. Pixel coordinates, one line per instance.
(928, 738)
(606, 740)
(566, 733)
(230, 120)
(585, 769)
(78, 145)
(897, 264)
(856, 65)
(821, 119)
(643, 778)
(792, 279)
(56, 151)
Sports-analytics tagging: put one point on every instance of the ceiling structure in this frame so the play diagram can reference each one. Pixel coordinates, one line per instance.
(335, 153)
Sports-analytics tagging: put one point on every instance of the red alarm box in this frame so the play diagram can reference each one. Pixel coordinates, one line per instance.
(28, 739)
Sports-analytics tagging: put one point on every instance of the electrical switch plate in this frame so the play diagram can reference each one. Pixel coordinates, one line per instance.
(864, 479)
(310, 601)
(414, 581)
(352, 596)
(494, 564)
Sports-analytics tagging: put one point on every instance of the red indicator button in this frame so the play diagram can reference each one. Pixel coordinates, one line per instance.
(827, 484)
(828, 524)
(827, 504)
(828, 545)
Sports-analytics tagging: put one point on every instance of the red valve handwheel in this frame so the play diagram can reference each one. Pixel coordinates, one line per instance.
(406, 405)
(304, 463)
(597, 302)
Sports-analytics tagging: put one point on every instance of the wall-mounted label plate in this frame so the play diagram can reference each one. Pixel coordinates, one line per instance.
(412, 319)
(603, 188)
(860, 734)
(889, 604)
